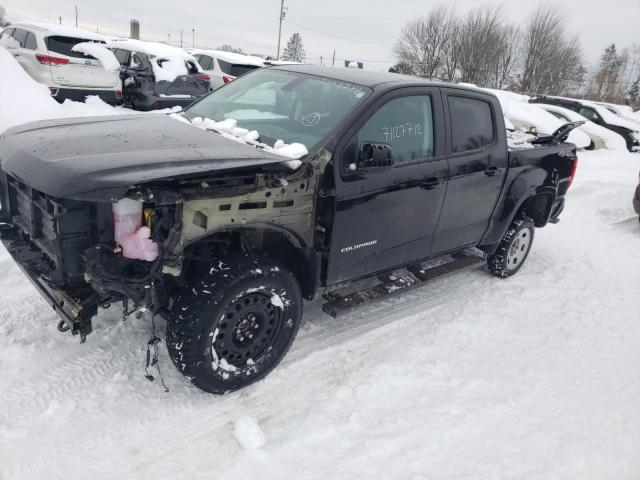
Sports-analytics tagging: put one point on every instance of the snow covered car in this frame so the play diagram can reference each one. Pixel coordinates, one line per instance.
(530, 118)
(47, 53)
(225, 217)
(155, 75)
(223, 67)
(601, 137)
(600, 115)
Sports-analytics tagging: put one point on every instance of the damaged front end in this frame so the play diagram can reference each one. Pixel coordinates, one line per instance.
(66, 248)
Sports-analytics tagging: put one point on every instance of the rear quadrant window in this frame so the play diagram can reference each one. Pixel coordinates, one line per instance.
(406, 124)
(471, 124)
(205, 61)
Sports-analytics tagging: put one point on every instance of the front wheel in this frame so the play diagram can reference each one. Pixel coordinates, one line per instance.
(513, 249)
(234, 322)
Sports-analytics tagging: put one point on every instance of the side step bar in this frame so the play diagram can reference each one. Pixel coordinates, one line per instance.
(393, 284)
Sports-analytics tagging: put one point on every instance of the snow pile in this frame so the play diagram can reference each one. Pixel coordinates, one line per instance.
(248, 433)
(532, 378)
(527, 116)
(167, 62)
(23, 100)
(229, 128)
(64, 30)
(101, 52)
(602, 137)
(9, 43)
(519, 140)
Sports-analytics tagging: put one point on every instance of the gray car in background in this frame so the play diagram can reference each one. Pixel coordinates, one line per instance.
(158, 76)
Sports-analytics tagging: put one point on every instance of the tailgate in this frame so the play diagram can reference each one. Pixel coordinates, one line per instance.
(193, 85)
(81, 70)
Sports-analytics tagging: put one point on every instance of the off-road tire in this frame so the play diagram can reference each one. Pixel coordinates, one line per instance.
(504, 262)
(233, 322)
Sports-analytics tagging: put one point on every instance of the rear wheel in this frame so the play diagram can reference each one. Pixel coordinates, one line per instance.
(513, 249)
(234, 322)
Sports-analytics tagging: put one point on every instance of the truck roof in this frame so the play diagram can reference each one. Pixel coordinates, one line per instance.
(368, 78)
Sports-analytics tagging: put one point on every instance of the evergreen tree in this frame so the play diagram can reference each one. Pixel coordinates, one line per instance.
(606, 78)
(294, 51)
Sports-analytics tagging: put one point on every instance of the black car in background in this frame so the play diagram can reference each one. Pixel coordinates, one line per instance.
(598, 114)
(149, 80)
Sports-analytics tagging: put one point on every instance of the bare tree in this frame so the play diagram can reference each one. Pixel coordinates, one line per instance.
(424, 41)
(551, 62)
(3, 17)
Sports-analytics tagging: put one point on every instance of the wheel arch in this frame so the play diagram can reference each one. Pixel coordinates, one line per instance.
(275, 241)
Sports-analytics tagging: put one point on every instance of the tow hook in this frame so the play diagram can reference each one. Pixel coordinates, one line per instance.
(63, 327)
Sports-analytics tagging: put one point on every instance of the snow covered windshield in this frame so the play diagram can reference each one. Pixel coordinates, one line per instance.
(280, 105)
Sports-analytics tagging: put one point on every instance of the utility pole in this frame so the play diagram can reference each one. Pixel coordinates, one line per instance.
(76, 7)
(333, 62)
(283, 12)
(320, 60)
(193, 32)
(60, 20)
(169, 38)
(181, 30)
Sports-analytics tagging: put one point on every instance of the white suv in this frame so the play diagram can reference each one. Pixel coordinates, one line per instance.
(44, 51)
(223, 67)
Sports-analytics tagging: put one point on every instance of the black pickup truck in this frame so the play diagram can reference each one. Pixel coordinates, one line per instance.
(234, 236)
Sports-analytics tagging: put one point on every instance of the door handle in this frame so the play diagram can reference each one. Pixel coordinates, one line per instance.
(430, 183)
(491, 171)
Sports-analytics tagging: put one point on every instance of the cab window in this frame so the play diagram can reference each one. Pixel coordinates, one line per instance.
(406, 124)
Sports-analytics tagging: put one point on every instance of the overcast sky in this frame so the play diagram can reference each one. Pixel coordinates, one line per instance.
(363, 30)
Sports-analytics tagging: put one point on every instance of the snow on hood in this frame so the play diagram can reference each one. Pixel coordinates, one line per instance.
(101, 52)
(167, 62)
(229, 128)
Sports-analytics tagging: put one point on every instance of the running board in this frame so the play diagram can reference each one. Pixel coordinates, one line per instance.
(393, 284)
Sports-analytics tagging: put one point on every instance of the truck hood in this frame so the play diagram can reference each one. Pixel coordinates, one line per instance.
(101, 158)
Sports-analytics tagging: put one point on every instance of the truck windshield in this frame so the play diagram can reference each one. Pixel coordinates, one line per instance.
(281, 105)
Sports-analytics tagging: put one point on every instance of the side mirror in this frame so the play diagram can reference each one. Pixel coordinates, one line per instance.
(375, 156)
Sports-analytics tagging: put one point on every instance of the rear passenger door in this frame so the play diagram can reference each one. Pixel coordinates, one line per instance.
(387, 210)
(477, 168)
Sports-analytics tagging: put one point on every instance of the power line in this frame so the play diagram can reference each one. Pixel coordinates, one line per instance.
(335, 36)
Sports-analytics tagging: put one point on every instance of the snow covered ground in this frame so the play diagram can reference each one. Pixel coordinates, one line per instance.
(472, 377)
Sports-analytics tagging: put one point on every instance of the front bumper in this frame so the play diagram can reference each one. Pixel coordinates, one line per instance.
(76, 313)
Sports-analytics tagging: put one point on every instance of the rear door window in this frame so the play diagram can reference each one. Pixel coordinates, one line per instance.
(20, 36)
(205, 61)
(63, 46)
(122, 56)
(591, 114)
(30, 42)
(471, 123)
